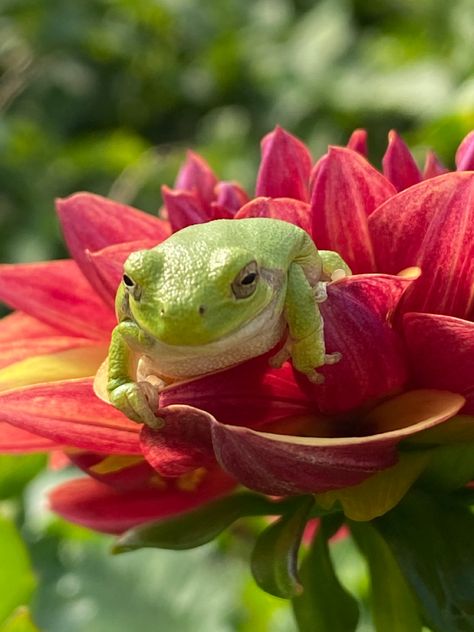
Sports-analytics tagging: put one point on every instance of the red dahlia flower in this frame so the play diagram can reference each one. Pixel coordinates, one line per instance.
(405, 381)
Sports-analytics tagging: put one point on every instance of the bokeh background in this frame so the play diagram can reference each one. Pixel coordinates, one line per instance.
(105, 95)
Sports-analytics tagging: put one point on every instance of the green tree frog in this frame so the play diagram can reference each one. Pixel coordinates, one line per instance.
(214, 295)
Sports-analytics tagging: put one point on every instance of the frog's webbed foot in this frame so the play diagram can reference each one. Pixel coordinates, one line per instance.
(138, 401)
(320, 292)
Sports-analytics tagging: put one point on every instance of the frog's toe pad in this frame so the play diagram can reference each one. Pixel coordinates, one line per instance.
(315, 378)
(332, 358)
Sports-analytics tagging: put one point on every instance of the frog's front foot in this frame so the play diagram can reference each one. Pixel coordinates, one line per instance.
(320, 292)
(137, 400)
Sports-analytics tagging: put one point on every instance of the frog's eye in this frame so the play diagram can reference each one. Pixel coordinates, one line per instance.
(246, 281)
(133, 289)
(128, 282)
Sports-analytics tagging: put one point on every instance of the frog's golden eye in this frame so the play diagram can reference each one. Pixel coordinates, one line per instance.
(133, 289)
(246, 281)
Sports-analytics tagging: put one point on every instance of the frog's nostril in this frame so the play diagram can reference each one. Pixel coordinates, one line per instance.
(202, 309)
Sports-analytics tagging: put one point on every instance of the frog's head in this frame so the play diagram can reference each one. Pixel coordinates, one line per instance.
(184, 296)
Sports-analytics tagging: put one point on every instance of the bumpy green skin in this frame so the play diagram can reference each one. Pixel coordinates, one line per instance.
(183, 300)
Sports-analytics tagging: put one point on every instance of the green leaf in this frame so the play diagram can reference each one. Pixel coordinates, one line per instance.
(324, 605)
(17, 470)
(451, 467)
(431, 539)
(17, 581)
(199, 526)
(393, 604)
(275, 555)
(20, 621)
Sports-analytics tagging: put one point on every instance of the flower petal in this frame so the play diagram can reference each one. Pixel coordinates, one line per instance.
(108, 265)
(465, 154)
(56, 293)
(433, 166)
(431, 225)
(102, 508)
(346, 190)
(285, 167)
(18, 325)
(184, 208)
(122, 471)
(92, 222)
(70, 414)
(229, 198)
(356, 325)
(197, 177)
(279, 465)
(17, 350)
(286, 209)
(441, 350)
(398, 164)
(358, 142)
(14, 439)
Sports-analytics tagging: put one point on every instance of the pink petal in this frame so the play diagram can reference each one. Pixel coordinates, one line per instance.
(17, 350)
(229, 198)
(196, 176)
(184, 208)
(102, 508)
(398, 164)
(56, 293)
(356, 324)
(433, 166)
(441, 350)
(285, 167)
(92, 222)
(70, 414)
(16, 440)
(108, 265)
(465, 154)
(346, 191)
(19, 325)
(358, 142)
(431, 226)
(119, 471)
(287, 209)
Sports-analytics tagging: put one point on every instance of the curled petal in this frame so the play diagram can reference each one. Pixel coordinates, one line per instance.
(16, 440)
(286, 209)
(356, 325)
(441, 350)
(56, 293)
(197, 177)
(285, 167)
(398, 164)
(465, 154)
(346, 191)
(18, 325)
(122, 471)
(431, 225)
(433, 166)
(92, 222)
(100, 507)
(229, 198)
(358, 142)
(70, 414)
(108, 265)
(184, 208)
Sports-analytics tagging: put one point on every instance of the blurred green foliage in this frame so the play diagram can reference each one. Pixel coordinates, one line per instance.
(105, 95)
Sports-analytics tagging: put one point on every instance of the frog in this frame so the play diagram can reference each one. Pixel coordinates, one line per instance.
(214, 295)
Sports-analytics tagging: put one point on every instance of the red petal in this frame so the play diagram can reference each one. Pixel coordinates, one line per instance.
(286, 209)
(356, 324)
(399, 165)
(119, 471)
(441, 349)
(465, 154)
(358, 142)
(70, 414)
(229, 198)
(19, 325)
(14, 439)
(196, 176)
(108, 265)
(18, 350)
(100, 507)
(431, 226)
(92, 222)
(184, 208)
(285, 167)
(56, 292)
(433, 166)
(346, 190)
